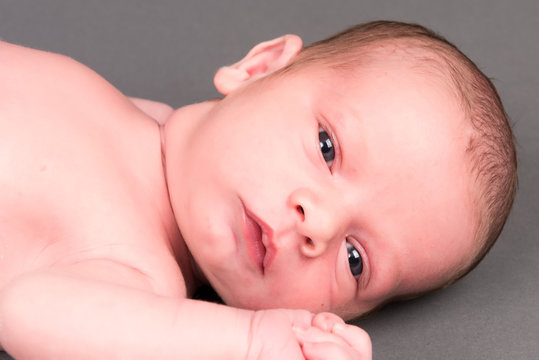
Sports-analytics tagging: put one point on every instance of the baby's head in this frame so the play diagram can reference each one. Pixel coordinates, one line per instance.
(373, 165)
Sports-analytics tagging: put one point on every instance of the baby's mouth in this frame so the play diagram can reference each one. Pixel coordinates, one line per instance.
(258, 240)
(255, 247)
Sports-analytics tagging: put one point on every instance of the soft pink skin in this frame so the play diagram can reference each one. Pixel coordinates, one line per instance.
(399, 189)
(82, 179)
(89, 230)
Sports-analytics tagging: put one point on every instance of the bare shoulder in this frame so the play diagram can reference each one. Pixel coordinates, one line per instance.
(16, 58)
(46, 74)
(70, 190)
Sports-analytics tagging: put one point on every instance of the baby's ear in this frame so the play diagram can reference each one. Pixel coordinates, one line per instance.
(262, 60)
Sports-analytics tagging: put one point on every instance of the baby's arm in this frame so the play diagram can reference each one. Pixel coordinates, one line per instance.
(66, 315)
(58, 315)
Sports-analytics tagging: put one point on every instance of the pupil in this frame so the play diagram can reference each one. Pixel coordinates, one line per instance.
(326, 146)
(354, 260)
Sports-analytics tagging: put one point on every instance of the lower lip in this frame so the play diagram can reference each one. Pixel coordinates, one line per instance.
(252, 234)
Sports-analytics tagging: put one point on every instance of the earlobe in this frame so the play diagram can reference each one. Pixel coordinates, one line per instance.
(262, 60)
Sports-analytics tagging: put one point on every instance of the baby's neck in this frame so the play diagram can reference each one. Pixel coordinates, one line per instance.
(174, 132)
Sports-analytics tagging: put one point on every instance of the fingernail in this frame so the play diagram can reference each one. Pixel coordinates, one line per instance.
(338, 328)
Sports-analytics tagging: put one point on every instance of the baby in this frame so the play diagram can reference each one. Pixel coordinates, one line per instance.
(374, 165)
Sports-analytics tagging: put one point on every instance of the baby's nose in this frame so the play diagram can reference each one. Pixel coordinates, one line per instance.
(316, 221)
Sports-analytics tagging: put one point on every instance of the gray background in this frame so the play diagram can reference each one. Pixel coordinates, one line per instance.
(168, 51)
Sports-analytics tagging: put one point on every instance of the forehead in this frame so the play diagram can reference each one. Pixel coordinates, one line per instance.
(409, 108)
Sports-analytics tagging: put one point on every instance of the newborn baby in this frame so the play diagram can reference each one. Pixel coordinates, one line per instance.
(376, 164)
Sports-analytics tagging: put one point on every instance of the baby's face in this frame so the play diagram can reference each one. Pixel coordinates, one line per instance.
(381, 207)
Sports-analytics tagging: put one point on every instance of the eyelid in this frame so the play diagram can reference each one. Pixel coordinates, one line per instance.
(324, 124)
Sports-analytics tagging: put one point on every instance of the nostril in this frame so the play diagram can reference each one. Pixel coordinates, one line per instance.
(299, 209)
(309, 248)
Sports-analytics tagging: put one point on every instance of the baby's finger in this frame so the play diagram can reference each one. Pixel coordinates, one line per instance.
(299, 318)
(355, 337)
(315, 335)
(332, 351)
(326, 321)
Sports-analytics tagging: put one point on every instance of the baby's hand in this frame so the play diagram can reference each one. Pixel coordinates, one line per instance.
(299, 334)
(330, 337)
(271, 335)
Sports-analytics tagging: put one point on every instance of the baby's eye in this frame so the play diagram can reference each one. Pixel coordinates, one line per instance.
(326, 147)
(354, 260)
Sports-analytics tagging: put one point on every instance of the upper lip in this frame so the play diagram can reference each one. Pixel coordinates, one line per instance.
(266, 238)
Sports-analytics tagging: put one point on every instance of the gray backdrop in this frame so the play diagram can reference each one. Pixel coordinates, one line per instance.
(168, 50)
